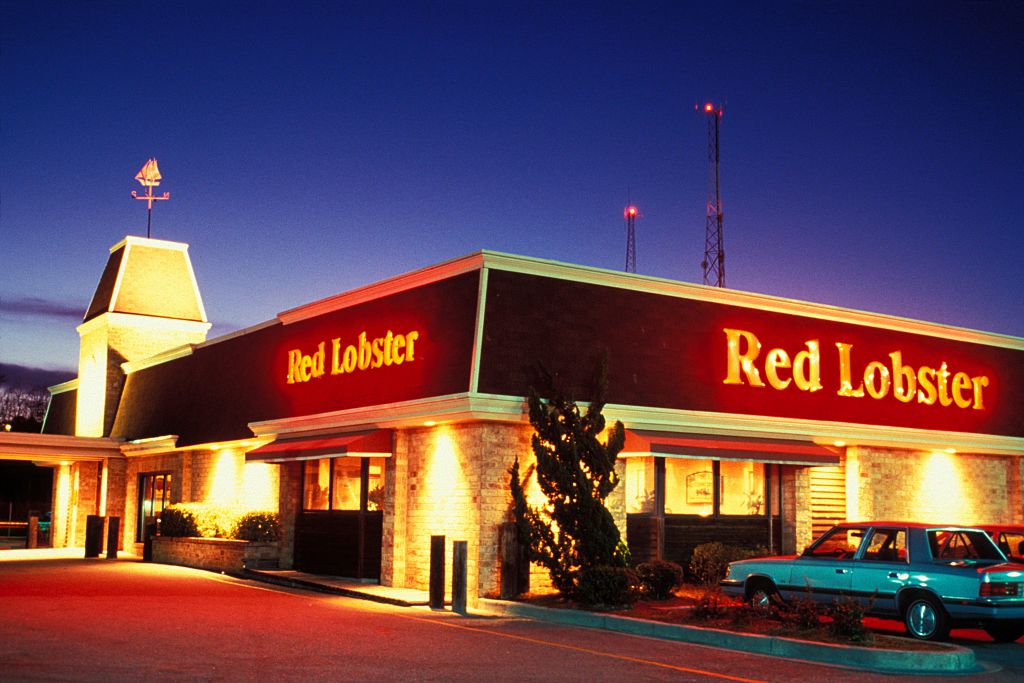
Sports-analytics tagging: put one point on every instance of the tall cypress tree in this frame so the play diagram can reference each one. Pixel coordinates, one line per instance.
(576, 472)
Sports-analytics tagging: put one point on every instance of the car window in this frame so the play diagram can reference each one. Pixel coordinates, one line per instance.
(961, 544)
(1011, 543)
(887, 545)
(839, 543)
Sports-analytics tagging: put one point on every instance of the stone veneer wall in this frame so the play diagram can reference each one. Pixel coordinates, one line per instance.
(215, 554)
(796, 509)
(453, 480)
(938, 487)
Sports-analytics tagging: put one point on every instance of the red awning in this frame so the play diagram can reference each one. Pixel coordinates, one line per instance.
(372, 442)
(640, 442)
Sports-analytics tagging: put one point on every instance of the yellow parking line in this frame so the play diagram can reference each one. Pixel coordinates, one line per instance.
(585, 650)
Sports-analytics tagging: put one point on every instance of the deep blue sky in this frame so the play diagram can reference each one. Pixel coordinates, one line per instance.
(872, 152)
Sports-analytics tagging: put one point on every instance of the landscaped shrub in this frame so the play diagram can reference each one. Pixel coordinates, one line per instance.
(710, 605)
(177, 522)
(606, 586)
(658, 578)
(711, 560)
(257, 526)
(801, 613)
(848, 621)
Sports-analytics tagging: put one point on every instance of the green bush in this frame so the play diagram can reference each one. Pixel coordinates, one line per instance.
(848, 621)
(710, 605)
(658, 578)
(178, 523)
(257, 526)
(802, 613)
(711, 560)
(606, 586)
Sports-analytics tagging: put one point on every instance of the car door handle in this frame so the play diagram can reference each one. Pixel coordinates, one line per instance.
(894, 575)
(842, 571)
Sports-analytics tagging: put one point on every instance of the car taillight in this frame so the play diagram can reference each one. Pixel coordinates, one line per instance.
(999, 588)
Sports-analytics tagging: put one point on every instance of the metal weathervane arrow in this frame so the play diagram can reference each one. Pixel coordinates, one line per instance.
(149, 177)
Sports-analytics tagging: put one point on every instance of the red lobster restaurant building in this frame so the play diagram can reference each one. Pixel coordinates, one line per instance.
(373, 419)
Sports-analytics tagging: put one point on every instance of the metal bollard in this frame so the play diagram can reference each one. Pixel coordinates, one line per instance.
(93, 535)
(437, 572)
(113, 534)
(459, 556)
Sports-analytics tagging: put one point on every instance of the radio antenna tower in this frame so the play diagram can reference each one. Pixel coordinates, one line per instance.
(630, 213)
(714, 248)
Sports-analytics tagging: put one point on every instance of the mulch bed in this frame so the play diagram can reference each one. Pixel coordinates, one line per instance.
(678, 609)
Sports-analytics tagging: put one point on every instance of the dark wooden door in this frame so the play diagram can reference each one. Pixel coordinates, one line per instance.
(339, 543)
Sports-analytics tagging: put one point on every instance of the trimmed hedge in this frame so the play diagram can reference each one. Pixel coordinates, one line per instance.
(211, 521)
(257, 526)
(606, 586)
(658, 578)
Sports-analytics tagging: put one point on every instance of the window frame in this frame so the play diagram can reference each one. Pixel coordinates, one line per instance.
(772, 479)
(364, 475)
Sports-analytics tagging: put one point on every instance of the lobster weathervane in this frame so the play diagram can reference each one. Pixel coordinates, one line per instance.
(149, 177)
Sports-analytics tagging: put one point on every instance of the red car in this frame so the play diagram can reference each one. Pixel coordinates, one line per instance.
(1009, 538)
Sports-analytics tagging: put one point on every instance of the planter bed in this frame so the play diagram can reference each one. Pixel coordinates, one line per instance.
(215, 554)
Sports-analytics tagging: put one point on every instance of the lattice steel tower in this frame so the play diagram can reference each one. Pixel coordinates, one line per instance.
(630, 213)
(714, 248)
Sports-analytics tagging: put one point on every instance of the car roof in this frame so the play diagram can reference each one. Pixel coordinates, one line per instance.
(911, 525)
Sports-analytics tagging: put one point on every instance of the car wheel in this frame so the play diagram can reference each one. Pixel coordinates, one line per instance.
(762, 595)
(925, 618)
(1002, 632)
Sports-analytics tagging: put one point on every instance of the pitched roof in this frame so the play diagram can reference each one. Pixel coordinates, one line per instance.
(148, 277)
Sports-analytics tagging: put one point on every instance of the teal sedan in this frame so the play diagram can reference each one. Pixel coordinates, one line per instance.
(932, 577)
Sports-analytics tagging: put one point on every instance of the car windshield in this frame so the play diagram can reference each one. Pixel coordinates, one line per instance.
(839, 543)
(962, 544)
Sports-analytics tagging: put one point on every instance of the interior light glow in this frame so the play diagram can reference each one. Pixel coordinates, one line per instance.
(838, 444)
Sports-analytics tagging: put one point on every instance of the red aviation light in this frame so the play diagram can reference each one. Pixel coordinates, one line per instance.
(709, 107)
(630, 212)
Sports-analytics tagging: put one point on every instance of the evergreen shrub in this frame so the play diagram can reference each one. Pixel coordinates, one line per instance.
(711, 560)
(658, 578)
(176, 522)
(606, 586)
(257, 526)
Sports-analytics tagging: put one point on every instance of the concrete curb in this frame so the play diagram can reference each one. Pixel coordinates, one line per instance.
(955, 660)
(325, 588)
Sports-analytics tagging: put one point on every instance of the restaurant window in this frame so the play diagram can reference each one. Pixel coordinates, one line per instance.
(316, 484)
(741, 488)
(640, 486)
(689, 487)
(343, 484)
(154, 496)
(347, 479)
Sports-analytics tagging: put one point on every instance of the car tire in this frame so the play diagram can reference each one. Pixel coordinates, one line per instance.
(762, 595)
(1003, 632)
(926, 619)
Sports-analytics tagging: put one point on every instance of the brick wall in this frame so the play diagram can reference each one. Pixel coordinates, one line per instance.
(453, 480)
(215, 554)
(936, 486)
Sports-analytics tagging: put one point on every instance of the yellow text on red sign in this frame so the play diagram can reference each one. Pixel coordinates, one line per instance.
(877, 378)
(364, 354)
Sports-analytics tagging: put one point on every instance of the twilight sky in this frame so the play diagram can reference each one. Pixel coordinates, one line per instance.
(872, 152)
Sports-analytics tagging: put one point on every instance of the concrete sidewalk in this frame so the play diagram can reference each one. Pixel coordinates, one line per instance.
(402, 597)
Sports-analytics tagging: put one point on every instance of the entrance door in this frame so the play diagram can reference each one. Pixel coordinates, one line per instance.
(340, 527)
(154, 496)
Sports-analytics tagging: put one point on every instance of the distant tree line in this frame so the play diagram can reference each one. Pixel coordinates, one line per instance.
(23, 409)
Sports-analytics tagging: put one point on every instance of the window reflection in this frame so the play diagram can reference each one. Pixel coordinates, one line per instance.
(639, 485)
(741, 486)
(375, 484)
(347, 477)
(689, 487)
(316, 483)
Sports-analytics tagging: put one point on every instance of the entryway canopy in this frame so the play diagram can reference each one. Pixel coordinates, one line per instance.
(367, 443)
(642, 442)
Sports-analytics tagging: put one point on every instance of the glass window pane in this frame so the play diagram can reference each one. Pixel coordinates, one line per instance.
(316, 483)
(375, 484)
(742, 488)
(689, 487)
(887, 545)
(840, 543)
(639, 485)
(347, 477)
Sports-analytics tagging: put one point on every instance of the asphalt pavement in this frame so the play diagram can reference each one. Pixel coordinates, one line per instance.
(102, 620)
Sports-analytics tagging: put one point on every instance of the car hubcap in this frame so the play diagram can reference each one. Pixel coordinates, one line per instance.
(760, 598)
(921, 619)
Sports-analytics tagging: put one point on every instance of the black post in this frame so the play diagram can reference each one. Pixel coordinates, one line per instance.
(459, 558)
(437, 572)
(147, 543)
(32, 535)
(93, 535)
(113, 533)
